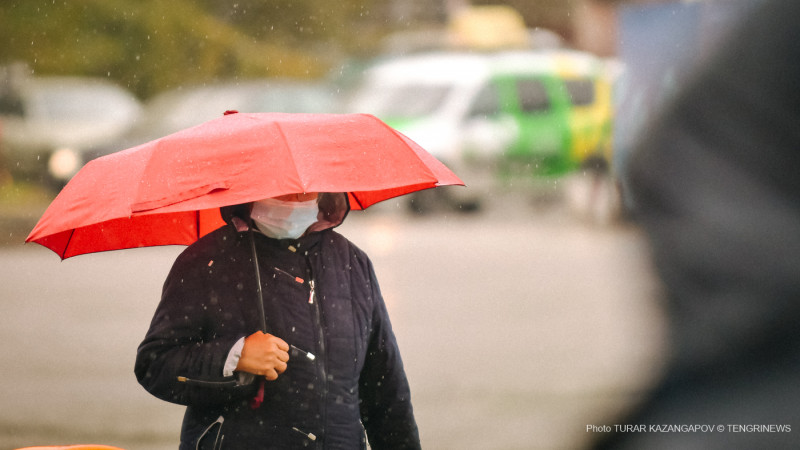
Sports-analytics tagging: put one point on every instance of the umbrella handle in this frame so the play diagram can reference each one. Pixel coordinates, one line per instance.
(260, 304)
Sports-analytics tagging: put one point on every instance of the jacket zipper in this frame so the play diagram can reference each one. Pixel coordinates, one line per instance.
(310, 356)
(320, 335)
(299, 280)
(207, 383)
(296, 279)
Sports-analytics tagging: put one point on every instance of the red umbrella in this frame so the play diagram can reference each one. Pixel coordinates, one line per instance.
(169, 191)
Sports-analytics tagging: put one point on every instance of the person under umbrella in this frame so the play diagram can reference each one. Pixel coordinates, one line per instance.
(323, 371)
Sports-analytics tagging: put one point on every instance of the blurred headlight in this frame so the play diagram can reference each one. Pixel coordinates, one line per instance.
(64, 163)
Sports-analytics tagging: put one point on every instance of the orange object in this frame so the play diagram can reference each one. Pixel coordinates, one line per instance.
(73, 447)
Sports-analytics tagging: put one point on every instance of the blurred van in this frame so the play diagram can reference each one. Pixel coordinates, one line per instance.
(495, 118)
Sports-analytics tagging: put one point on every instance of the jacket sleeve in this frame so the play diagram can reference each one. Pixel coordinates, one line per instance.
(181, 358)
(385, 396)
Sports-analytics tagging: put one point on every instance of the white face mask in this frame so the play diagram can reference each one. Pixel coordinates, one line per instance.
(284, 220)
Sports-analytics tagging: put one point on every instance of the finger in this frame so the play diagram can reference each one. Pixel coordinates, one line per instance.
(280, 367)
(282, 356)
(282, 345)
(271, 375)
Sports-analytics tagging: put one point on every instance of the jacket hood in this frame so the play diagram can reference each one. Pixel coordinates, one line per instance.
(333, 208)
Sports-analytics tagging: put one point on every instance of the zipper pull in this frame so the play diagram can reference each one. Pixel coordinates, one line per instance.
(311, 294)
(310, 436)
(308, 355)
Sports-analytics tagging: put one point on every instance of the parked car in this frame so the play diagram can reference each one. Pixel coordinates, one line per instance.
(494, 117)
(184, 107)
(46, 120)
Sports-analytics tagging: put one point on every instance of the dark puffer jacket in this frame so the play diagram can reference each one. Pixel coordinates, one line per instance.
(353, 376)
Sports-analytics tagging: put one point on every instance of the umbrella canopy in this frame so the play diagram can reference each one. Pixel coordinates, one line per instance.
(169, 191)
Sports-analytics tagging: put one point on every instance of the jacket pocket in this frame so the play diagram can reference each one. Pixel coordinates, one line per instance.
(215, 392)
(211, 438)
(217, 383)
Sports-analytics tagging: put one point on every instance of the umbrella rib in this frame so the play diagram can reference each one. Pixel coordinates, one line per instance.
(360, 206)
(197, 223)
(69, 240)
(291, 156)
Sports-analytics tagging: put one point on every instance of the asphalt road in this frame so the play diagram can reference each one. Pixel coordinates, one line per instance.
(519, 327)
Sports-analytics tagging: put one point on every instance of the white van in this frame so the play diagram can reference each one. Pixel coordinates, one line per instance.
(494, 117)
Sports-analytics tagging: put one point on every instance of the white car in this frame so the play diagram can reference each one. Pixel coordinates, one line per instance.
(45, 121)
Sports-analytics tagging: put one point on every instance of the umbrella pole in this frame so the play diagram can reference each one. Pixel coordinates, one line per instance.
(261, 314)
(256, 401)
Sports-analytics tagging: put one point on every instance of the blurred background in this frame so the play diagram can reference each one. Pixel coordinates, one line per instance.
(524, 304)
